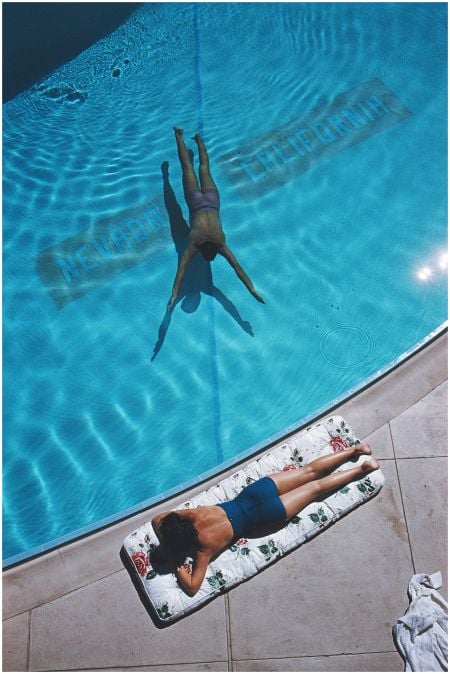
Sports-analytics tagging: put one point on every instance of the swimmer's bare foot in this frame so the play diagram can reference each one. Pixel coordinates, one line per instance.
(359, 450)
(178, 131)
(165, 168)
(197, 137)
(370, 465)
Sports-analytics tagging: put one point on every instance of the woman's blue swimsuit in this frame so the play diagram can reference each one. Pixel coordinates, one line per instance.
(258, 503)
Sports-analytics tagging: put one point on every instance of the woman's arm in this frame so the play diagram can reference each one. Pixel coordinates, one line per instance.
(191, 582)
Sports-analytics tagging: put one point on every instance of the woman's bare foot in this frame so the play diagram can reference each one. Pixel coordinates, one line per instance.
(359, 450)
(362, 449)
(178, 132)
(196, 137)
(370, 465)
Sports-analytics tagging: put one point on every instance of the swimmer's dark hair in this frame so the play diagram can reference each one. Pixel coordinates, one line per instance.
(208, 250)
(179, 537)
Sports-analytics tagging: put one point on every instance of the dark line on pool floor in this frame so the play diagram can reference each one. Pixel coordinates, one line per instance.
(217, 421)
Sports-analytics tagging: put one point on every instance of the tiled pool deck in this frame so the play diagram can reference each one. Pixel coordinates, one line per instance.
(328, 606)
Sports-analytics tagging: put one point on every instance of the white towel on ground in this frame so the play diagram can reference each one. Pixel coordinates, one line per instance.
(421, 634)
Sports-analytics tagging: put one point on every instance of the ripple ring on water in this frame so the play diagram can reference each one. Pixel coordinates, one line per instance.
(346, 346)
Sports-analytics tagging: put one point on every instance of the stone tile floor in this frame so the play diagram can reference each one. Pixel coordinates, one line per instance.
(328, 606)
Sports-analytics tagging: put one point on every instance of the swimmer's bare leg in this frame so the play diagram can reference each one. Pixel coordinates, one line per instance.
(206, 180)
(190, 180)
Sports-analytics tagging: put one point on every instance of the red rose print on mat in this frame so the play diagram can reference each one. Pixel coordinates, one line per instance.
(290, 466)
(141, 562)
(339, 444)
(241, 541)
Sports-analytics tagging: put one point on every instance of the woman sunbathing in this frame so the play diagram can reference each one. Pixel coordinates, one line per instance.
(270, 502)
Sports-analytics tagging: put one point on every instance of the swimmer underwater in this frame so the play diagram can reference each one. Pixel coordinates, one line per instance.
(206, 531)
(206, 235)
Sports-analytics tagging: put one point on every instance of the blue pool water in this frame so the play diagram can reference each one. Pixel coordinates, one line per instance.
(107, 401)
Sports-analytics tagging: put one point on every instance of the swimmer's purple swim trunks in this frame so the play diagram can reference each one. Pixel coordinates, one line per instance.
(208, 200)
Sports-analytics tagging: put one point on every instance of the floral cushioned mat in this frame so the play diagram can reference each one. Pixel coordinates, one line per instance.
(245, 557)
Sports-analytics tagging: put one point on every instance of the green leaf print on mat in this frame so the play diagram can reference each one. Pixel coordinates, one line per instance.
(344, 430)
(296, 458)
(268, 550)
(240, 549)
(319, 516)
(217, 581)
(163, 611)
(366, 486)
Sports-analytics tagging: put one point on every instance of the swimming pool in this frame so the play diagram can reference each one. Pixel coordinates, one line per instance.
(107, 402)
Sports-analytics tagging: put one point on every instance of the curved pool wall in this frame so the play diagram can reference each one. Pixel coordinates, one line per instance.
(109, 404)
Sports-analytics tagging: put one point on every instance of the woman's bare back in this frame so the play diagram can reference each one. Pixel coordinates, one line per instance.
(214, 528)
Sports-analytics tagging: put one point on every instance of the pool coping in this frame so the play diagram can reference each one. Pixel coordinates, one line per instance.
(265, 444)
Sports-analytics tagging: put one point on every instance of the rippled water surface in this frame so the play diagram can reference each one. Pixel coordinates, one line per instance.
(107, 402)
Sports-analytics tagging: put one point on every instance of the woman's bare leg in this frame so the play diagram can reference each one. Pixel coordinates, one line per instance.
(190, 181)
(297, 499)
(206, 180)
(318, 468)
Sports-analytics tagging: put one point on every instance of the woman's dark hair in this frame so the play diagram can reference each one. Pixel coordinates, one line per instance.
(179, 537)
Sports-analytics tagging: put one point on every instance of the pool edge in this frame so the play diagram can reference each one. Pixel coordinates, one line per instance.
(264, 445)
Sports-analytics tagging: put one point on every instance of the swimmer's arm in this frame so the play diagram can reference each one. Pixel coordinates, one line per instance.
(191, 582)
(189, 253)
(228, 255)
